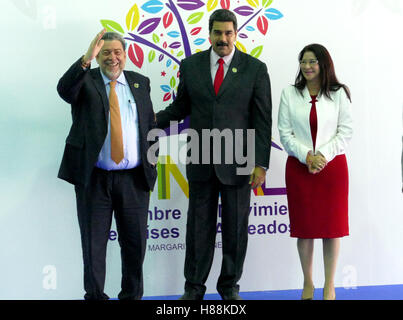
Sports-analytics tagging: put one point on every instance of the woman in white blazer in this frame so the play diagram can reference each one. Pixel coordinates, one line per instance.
(315, 125)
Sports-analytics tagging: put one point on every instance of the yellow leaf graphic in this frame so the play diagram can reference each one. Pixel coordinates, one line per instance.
(211, 4)
(254, 3)
(240, 46)
(133, 18)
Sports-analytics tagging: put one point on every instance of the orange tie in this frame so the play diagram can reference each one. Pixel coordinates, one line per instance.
(116, 125)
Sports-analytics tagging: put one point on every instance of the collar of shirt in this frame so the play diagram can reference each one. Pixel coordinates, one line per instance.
(121, 79)
(227, 59)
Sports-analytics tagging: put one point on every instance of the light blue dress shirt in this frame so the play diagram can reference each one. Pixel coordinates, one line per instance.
(130, 129)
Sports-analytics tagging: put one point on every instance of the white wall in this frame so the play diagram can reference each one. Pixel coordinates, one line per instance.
(40, 249)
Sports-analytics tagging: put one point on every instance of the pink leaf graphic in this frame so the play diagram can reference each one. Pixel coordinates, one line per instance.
(148, 26)
(167, 19)
(195, 31)
(225, 4)
(136, 55)
(167, 96)
(263, 25)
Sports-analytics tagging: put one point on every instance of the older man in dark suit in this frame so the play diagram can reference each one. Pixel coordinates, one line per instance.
(105, 157)
(222, 90)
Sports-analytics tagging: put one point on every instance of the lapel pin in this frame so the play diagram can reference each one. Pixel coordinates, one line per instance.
(234, 70)
(136, 85)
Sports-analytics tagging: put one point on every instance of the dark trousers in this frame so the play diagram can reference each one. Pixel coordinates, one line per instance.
(124, 193)
(201, 234)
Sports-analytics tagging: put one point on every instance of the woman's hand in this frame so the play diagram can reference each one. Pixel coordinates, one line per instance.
(315, 162)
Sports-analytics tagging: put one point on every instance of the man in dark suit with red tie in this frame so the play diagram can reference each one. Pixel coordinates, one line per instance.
(105, 157)
(222, 90)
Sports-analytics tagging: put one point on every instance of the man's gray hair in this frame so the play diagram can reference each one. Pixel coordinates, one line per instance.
(109, 36)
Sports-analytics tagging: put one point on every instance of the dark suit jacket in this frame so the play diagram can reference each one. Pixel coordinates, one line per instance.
(243, 102)
(85, 91)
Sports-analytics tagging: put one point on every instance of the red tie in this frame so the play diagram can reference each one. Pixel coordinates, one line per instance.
(313, 121)
(219, 76)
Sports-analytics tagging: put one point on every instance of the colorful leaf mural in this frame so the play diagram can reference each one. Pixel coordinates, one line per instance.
(166, 31)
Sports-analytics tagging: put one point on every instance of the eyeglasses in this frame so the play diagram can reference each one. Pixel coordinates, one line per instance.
(312, 62)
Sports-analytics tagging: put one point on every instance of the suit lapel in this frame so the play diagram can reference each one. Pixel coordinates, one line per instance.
(134, 86)
(100, 86)
(136, 90)
(233, 69)
(205, 70)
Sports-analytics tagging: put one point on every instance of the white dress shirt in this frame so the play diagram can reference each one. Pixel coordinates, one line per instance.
(214, 57)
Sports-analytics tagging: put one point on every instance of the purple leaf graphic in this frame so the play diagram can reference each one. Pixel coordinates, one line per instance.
(249, 20)
(242, 35)
(244, 11)
(148, 26)
(161, 57)
(190, 4)
(175, 45)
(151, 45)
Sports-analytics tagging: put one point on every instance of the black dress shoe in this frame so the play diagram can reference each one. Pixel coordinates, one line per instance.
(191, 296)
(231, 296)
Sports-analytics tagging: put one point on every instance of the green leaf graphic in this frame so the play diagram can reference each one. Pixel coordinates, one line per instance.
(156, 39)
(266, 3)
(112, 26)
(257, 52)
(195, 17)
(151, 56)
(172, 83)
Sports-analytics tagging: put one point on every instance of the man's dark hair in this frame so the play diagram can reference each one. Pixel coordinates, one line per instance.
(222, 15)
(110, 36)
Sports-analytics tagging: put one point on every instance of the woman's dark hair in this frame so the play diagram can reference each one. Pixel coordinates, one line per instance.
(223, 15)
(327, 74)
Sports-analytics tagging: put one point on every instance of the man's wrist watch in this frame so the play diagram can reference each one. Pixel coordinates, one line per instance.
(85, 65)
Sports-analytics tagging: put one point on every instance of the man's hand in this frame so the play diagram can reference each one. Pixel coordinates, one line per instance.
(94, 47)
(258, 177)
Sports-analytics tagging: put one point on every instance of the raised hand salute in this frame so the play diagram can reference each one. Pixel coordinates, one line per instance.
(94, 48)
